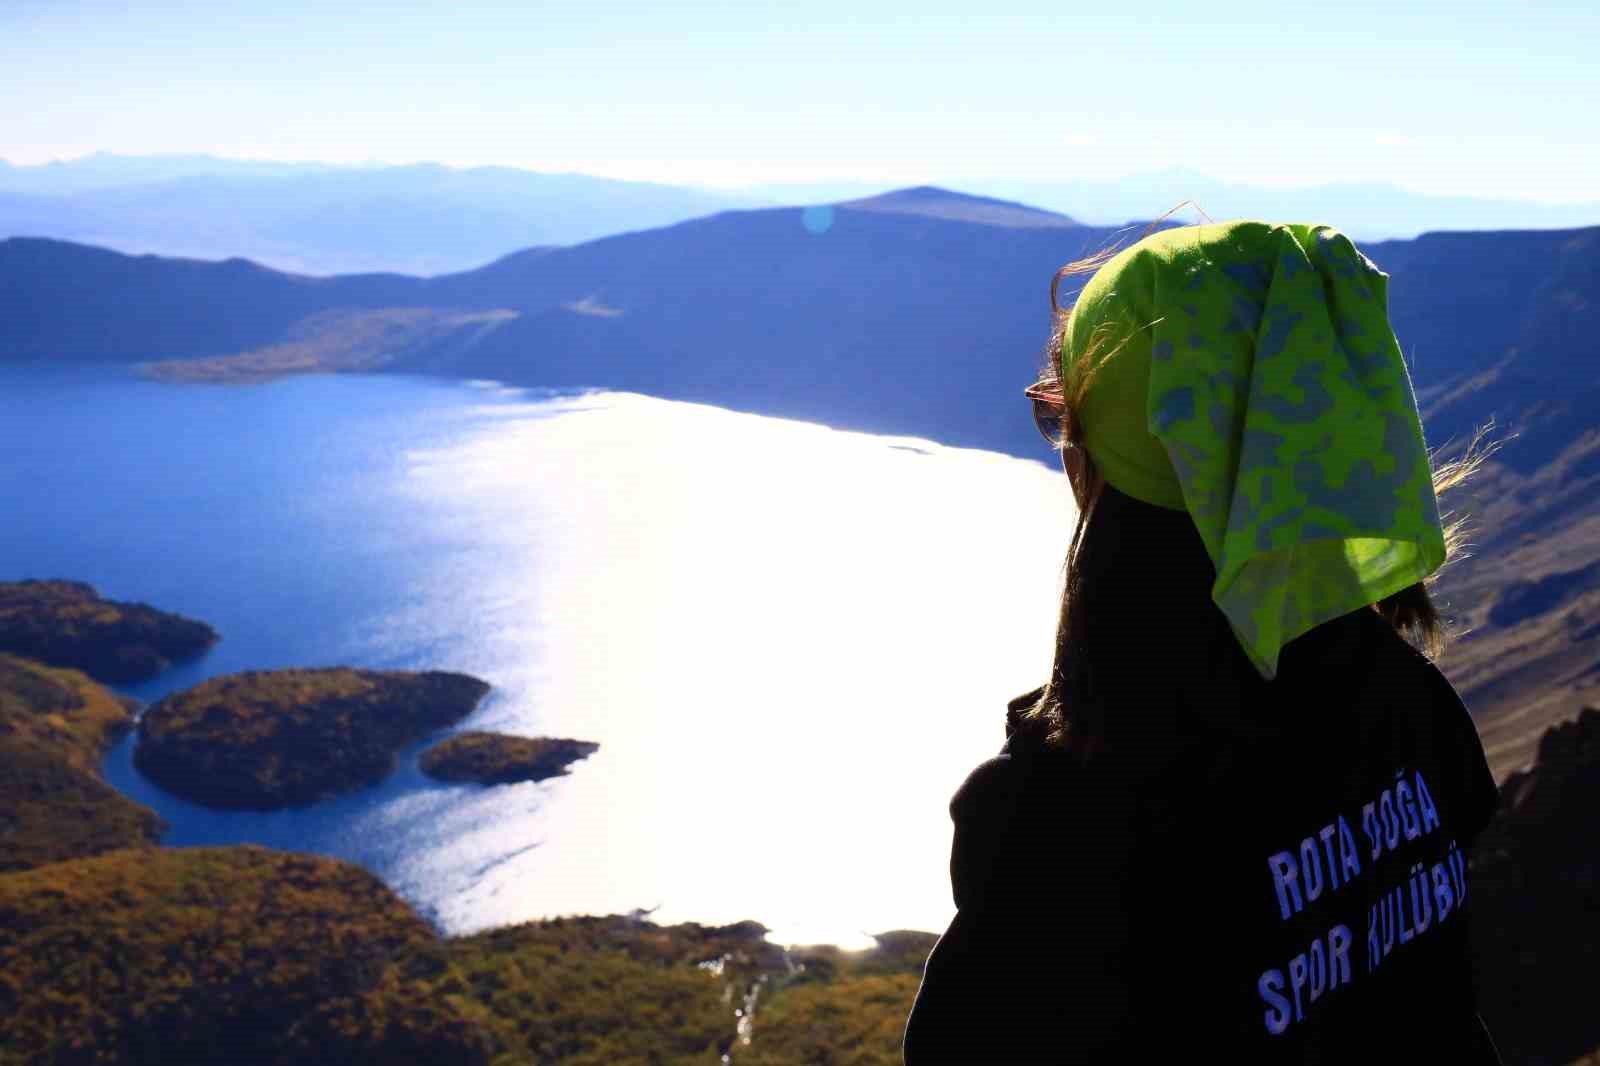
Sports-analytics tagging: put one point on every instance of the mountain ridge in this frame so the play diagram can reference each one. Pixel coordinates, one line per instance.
(429, 218)
(932, 201)
(1367, 210)
(324, 220)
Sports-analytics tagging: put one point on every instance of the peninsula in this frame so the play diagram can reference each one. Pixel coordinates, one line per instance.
(55, 728)
(68, 624)
(265, 739)
(500, 759)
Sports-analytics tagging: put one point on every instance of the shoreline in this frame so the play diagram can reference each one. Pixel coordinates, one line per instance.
(118, 762)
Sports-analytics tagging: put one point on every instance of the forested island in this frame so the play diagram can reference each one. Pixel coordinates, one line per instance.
(500, 759)
(67, 623)
(265, 739)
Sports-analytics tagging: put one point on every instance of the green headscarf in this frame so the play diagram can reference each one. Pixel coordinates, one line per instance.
(1246, 373)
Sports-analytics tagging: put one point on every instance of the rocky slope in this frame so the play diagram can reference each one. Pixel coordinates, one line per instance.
(1530, 595)
(1536, 920)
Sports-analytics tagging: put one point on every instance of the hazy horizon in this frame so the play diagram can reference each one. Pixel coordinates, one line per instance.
(1431, 99)
(767, 193)
(429, 218)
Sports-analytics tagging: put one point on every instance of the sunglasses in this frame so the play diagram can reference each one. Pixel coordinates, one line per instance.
(1049, 411)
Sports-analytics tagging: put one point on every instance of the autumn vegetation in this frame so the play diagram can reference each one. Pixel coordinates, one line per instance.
(277, 738)
(114, 951)
(55, 727)
(237, 955)
(499, 759)
(594, 991)
(66, 623)
(250, 956)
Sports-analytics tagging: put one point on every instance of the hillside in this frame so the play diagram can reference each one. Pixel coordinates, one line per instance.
(920, 312)
(55, 727)
(1530, 595)
(895, 316)
(237, 955)
(616, 989)
(255, 957)
(1537, 899)
(73, 302)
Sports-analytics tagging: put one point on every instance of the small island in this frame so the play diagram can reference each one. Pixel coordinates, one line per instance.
(501, 759)
(67, 623)
(265, 739)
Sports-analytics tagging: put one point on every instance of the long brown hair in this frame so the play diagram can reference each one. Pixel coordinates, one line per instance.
(1073, 709)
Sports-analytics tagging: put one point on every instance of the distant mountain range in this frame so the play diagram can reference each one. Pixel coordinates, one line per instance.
(320, 218)
(1367, 211)
(920, 312)
(107, 170)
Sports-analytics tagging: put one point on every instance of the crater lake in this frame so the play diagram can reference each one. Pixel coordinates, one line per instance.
(791, 642)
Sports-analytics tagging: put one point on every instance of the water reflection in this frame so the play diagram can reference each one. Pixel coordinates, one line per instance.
(791, 643)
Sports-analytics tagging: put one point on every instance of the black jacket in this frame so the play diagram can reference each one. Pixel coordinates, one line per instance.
(1281, 881)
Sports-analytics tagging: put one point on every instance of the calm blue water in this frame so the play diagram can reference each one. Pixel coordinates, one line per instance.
(269, 512)
(742, 611)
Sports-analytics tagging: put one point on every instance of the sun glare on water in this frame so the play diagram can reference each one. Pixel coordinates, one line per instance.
(791, 643)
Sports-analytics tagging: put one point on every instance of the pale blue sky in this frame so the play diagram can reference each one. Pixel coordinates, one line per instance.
(1496, 99)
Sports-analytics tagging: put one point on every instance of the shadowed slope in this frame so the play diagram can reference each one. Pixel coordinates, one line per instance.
(1536, 923)
(72, 302)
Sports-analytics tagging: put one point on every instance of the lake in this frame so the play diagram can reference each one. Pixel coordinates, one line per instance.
(791, 642)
